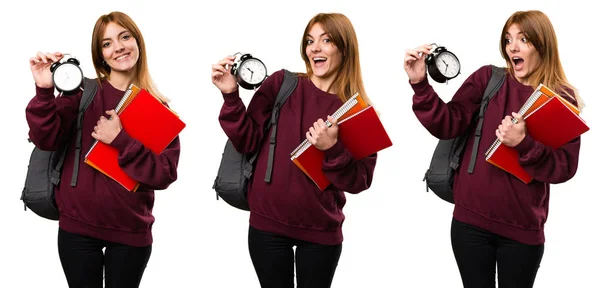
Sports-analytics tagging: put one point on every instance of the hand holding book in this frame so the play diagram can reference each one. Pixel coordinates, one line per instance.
(323, 134)
(549, 119)
(107, 130)
(512, 130)
(356, 125)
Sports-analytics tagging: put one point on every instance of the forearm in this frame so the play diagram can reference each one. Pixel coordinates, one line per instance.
(155, 171)
(346, 173)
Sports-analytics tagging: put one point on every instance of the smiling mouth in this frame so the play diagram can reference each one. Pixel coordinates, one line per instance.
(121, 57)
(319, 60)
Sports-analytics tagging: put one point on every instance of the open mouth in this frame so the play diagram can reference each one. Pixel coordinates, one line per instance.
(319, 60)
(518, 62)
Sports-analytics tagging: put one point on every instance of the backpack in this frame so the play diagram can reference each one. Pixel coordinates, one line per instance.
(446, 156)
(44, 169)
(235, 170)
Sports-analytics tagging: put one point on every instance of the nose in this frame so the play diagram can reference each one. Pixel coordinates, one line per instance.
(315, 47)
(514, 46)
(119, 46)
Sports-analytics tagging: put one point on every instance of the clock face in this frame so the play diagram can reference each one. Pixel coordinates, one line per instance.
(447, 64)
(67, 77)
(252, 71)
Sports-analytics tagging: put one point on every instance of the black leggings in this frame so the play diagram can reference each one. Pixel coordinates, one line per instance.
(273, 259)
(477, 253)
(82, 260)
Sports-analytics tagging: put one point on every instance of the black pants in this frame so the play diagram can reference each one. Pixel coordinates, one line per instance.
(477, 253)
(273, 259)
(83, 260)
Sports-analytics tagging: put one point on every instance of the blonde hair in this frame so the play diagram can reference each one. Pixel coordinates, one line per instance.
(142, 76)
(540, 33)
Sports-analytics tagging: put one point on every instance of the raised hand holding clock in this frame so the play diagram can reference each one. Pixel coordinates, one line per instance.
(441, 64)
(40, 68)
(48, 70)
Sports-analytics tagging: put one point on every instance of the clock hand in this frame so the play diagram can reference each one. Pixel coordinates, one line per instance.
(249, 70)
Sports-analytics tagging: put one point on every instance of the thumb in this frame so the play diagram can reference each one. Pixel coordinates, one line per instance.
(112, 114)
(517, 116)
(332, 120)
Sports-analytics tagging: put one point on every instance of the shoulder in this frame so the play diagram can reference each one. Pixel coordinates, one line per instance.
(482, 75)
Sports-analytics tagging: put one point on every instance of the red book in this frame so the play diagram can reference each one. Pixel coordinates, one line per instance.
(145, 119)
(552, 121)
(362, 133)
(555, 124)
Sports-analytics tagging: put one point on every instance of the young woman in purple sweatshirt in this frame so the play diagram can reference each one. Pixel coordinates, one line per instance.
(290, 210)
(98, 212)
(499, 220)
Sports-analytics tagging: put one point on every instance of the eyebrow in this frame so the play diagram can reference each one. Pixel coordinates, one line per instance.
(324, 33)
(520, 33)
(124, 31)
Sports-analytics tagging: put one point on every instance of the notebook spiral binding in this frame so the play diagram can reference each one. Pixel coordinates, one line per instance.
(336, 115)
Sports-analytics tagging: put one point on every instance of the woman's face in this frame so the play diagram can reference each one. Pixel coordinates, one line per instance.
(525, 59)
(325, 58)
(119, 48)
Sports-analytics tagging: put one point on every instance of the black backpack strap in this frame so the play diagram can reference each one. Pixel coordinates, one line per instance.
(290, 80)
(90, 88)
(496, 81)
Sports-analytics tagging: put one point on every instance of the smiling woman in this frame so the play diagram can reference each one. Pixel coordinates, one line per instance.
(304, 216)
(98, 213)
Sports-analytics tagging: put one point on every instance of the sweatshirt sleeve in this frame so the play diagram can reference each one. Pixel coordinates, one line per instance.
(449, 120)
(344, 172)
(244, 127)
(156, 172)
(546, 164)
(50, 118)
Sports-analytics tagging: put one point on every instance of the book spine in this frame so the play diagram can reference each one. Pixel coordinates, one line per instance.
(492, 149)
(536, 94)
(125, 96)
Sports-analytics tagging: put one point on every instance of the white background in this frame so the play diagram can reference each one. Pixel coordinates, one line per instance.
(396, 234)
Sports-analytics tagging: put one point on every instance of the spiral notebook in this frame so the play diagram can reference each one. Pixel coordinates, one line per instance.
(145, 119)
(550, 119)
(359, 129)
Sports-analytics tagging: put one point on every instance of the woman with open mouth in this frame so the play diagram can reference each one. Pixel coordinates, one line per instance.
(498, 220)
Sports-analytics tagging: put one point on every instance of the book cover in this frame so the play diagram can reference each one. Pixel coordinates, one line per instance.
(145, 119)
(362, 133)
(555, 124)
(550, 119)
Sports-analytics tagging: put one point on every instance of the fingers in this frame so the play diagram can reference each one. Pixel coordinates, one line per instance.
(226, 61)
(331, 120)
(321, 124)
(518, 116)
(46, 57)
(312, 140)
(499, 135)
(95, 135)
(218, 68)
(112, 114)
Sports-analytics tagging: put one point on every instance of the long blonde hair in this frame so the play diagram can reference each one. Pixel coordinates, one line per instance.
(348, 80)
(142, 76)
(540, 33)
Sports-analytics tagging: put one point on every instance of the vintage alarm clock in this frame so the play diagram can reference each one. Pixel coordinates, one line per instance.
(442, 64)
(249, 72)
(67, 76)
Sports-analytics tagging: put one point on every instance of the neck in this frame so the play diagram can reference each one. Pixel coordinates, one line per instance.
(120, 80)
(324, 84)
